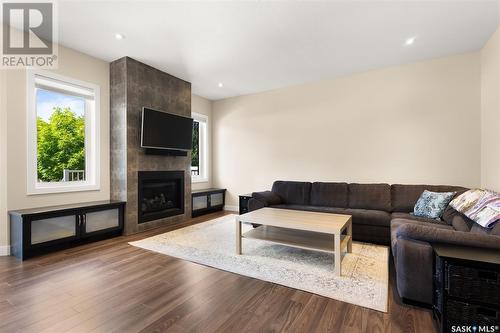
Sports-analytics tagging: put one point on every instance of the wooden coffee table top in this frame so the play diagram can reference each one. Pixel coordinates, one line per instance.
(298, 219)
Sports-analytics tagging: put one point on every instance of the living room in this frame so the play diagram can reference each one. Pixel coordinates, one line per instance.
(250, 166)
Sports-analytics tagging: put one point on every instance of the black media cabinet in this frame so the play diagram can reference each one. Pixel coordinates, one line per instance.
(207, 201)
(41, 230)
(466, 288)
(244, 199)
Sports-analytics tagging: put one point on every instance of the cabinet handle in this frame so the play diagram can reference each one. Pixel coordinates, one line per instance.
(78, 219)
(84, 219)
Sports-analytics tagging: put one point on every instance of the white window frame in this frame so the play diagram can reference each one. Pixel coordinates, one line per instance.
(92, 136)
(203, 150)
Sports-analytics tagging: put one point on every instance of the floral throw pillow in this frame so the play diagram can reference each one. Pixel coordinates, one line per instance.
(432, 204)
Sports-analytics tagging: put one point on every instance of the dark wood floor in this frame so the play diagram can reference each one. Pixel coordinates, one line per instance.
(112, 286)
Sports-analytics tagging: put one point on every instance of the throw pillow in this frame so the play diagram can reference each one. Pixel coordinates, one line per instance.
(481, 206)
(466, 202)
(432, 204)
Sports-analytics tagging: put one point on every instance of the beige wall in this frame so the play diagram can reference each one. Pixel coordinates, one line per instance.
(490, 113)
(417, 123)
(4, 238)
(13, 93)
(204, 106)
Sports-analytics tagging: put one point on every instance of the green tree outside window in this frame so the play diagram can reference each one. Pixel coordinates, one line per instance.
(195, 158)
(60, 144)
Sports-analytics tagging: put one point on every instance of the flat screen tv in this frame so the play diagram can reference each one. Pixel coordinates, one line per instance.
(162, 130)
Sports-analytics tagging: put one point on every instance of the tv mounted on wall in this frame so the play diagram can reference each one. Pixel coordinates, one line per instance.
(162, 130)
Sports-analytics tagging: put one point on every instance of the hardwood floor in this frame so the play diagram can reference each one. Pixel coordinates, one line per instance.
(112, 286)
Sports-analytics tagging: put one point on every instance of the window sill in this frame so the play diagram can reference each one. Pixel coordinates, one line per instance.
(199, 180)
(61, 188)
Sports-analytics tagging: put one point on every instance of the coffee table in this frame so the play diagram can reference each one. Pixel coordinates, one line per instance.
(325, 232)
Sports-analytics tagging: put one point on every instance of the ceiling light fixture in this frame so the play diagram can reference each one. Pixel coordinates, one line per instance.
(119, 36)
(220, 85)
(410, 41)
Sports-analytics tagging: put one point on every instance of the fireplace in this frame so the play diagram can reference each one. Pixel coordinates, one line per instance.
(161, 194)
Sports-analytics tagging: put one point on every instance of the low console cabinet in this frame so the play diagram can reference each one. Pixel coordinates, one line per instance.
(41, 230)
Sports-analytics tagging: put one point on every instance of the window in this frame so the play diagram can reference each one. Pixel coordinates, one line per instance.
(199, 154)
(63, 134)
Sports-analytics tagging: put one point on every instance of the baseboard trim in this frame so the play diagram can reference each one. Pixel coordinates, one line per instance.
(231, 208)
(5, 250)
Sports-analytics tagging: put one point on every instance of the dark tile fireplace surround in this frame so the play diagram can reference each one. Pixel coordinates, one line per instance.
(155, 192)
(161, 194)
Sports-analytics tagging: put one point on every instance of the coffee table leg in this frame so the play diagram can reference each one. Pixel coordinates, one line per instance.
(238, 235)
(349, 233)
(337, 254)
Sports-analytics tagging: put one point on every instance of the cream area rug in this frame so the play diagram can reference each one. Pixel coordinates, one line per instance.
(365, 271)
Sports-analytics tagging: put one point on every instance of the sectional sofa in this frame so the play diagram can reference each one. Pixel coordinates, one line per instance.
(381, 214)
(372, 206)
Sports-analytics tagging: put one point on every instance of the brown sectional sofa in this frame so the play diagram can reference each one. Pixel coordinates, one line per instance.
(372, 206)
(381, 214)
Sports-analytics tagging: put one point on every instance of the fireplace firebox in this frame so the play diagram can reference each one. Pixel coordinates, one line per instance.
(161, 194)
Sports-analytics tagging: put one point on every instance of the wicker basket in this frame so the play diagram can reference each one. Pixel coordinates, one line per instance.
(461, 313)
(474, 284)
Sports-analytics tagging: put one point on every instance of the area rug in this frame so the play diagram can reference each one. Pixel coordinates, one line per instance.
(365, 271)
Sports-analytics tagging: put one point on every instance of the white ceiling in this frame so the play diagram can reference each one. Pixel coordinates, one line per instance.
(257, 46)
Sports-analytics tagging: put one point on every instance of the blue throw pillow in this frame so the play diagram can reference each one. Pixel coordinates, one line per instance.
(432, 204)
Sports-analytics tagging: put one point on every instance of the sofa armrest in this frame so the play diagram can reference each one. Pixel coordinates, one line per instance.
(263, 199)
(267, 197)
(254, 204)
(435, 235)
(413, 262)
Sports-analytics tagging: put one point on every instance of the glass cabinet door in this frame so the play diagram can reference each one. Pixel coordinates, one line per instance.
(200, 202)
(50, 229)
(216, 199)
(100, 220)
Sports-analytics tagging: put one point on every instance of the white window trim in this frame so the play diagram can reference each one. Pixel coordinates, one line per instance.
(92, 140)
(204, 147)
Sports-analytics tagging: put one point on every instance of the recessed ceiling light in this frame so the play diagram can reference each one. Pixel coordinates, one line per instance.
(410, 41)
(220, 85)
(119, 36)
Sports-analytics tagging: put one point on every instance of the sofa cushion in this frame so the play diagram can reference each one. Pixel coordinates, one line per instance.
(478, 229)
(404, 197)
(368, 217)
(329, 194)
(295, 193)
(370, 196)
(408, 216)
(461, 223)
(449, 214)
